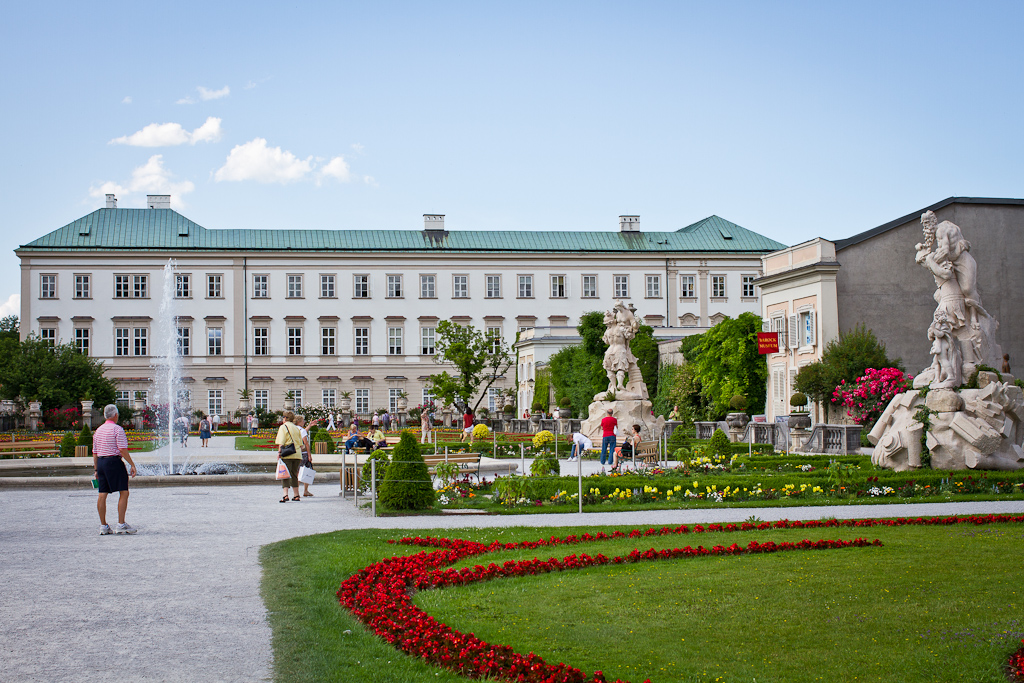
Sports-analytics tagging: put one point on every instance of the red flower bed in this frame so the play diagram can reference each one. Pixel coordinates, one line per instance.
(379, 596)
(1015, 665)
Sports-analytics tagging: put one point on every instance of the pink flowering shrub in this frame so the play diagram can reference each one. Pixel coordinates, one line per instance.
(866, 399)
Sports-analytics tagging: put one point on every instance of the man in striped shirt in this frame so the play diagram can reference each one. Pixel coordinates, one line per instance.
(109, 451)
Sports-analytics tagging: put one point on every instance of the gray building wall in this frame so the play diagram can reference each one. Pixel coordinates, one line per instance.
(880, 285)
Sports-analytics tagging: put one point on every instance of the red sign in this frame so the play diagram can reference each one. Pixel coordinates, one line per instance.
(767, 342)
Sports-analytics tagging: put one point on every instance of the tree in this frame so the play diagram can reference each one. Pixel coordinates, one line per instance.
(846, 358)
(645, 347)
(727, 363)
(480, 360)
(9, 327)
(57, 376)
(577, 375)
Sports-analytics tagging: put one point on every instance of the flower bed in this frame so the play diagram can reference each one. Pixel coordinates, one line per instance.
(378, 595)
(1015, 665)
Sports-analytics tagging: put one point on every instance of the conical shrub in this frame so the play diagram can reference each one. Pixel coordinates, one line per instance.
(67, 445)
(85, 437)
(407, 484)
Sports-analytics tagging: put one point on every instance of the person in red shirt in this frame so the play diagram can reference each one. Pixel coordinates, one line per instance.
(608, 424)
(467, 424)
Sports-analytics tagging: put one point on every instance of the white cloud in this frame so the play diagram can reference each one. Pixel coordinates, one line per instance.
(357, 147)
(335, 168)
(127, 100)
(186, 100)
(368, 179)
(207, 94)
(12, 306)
(150, 178)
(250, 85)
(253, 160)
(171, 134)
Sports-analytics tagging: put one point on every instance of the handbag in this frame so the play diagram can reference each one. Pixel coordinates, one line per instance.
(306, 475)
(288, 448)
(282, 470)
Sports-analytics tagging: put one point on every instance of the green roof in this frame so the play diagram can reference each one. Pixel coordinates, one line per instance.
(168, 230)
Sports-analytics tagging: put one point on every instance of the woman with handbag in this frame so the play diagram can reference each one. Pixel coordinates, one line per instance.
(307, 452)
(289, 451)
(204, 430)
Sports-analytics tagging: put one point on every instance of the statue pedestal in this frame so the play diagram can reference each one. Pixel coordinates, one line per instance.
(628, 413)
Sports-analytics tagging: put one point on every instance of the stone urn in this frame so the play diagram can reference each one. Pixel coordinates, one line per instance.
(565, 413)
(140, 405)
(499, 403)
(243, 405)
(536, 416)
(35, 413)
(800, 421)
(737, 421)
(402, 403)
(289, 403)
(345, 403)
(87, 412)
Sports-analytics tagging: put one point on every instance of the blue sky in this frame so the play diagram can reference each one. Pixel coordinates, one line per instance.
(794, 120)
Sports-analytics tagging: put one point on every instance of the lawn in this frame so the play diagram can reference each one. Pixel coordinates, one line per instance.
(931, 604)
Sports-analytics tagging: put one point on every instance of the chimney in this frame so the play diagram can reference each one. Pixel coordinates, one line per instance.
(111, 201)
(158, 201)
(433, 221)
(629, 223)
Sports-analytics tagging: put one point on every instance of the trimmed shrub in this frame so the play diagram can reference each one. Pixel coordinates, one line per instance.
(720, 444)
(322, 435)
(67, 445)
(312, 431)
(545, 465)
(738, 403)
(85, 437)
(407, 484)
(382, 466)
(798, 400)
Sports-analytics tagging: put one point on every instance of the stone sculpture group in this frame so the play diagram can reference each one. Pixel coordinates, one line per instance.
(976, 428)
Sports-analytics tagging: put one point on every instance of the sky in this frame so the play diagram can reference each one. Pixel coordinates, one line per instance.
(793, 119)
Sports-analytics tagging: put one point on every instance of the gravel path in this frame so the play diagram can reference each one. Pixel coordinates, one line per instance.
(180, 600)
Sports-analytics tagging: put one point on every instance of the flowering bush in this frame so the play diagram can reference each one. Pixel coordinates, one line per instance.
(543, 438)
(481, 431)
(866, 399)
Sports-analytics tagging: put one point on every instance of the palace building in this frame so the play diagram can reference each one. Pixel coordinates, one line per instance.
(322, 312)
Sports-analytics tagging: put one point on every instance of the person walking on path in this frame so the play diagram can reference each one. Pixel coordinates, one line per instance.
(580, 445)
(385, 421)
(375, 420)
(289, 435)
(330, 422)
(307, 455)
(109, 453)
(181, 424)
(214, 422)
(608, 424)
(204, 430)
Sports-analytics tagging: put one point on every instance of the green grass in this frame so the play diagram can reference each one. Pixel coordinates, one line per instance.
(249, 443)
(932, 604)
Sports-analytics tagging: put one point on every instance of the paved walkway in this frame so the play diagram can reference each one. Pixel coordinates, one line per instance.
(180, 600)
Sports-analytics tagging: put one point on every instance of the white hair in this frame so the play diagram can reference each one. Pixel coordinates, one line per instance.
(109, 411)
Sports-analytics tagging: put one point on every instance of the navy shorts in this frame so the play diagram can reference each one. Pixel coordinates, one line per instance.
(111, 474)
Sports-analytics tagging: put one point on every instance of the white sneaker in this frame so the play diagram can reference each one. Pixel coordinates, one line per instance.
(125, 529)
(105, 529)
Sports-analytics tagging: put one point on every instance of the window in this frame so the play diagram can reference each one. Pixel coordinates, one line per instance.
(779, 325)
(558, 287)
(121, 342)
(182, 286)
(47, 286)
(653, 286)
(294, 341)
(807, 328)
(82, 340)
(141, 341)
(260, 341)
(362, 341)
(120, 286)
(260, 288)
(327, 338)
(214, 341)
(48, 334)
(361, 287)
(215, 402)
(589, 286)
(460, 286)
(394, 286)
(493, 286)
(525, 286)
(395, 341)
(427, 289)
(82, 289)
(492, 398)
(393, 394)
(327, 287)
(184, 334)
(297, 394)
(621, 286)
(428, 396)
(261, 399)
(686, 290)
(748, 286)
(329, 397)
(140, 286)
(213, 290)
(494, 334)
(427, 337)
(122, 397)
(362, 401)
(294, 286)
(718, 286)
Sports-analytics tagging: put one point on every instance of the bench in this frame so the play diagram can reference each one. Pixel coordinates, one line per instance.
(28, 449)
(467, 462)
(647, 452)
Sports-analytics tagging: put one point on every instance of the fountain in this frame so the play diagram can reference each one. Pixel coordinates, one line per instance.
(167, 366)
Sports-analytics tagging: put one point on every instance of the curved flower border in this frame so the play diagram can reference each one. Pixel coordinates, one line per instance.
(1015, 665)
(380, 596)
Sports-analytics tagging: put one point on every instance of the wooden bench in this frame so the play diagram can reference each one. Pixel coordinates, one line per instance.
(467, 462)
(647, 452)
(28, 449)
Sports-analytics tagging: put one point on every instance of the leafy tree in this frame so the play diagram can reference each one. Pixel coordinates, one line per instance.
(727, 363)
(689, 346)
(591, 329)
(9, 327)
(645, 348)
(846, 358)
(577, 375)
(407, 484)
(55, 375)
(480, 360)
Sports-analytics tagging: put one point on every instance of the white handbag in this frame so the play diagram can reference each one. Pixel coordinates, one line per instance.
(306, 475)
